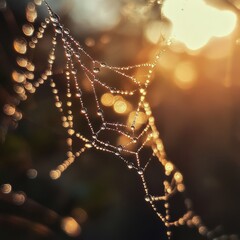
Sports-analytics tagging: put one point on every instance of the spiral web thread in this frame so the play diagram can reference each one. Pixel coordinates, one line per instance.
(143, 146)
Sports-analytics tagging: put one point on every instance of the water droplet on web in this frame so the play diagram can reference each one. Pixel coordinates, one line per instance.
(96, 69)
(44, 25)
(74, 71)
(27, 29)
(148, 198)
(120, 148)
(88, 145)
(54, 42)
(58, 30)
(112, 89)
(78, 55)
(34, 40)
(100, 112)
(32, 45)
(20, 45)
(135, 140)
(130, 166)
(104, 125)
(84, 111)
(66, 31)
(103, 64)
(52, 56)
(38, 2)
(140, 171)
(55, 18)
(79, 94)
(47, 20)
(68, 53)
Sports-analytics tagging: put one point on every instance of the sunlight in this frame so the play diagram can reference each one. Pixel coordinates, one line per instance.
(195, 22)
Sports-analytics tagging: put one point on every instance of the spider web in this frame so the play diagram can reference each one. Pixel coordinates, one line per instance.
(90, 125)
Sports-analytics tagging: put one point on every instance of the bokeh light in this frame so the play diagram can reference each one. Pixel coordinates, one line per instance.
(185, 74)
(31, 13)
(19, 198)
(120, 106)
(28, 29)
(70, 227)
(107, 99)
(194, 23)
(20, 45)
(6, 188)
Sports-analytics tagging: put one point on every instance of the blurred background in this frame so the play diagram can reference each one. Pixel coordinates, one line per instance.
(195, 100)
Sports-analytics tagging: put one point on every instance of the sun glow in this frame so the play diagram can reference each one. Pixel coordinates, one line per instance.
(195, 22)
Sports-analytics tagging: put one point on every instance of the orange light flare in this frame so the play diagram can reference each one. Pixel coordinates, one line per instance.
(203, 37)
(194, 23)
(71, 227)
(118, 103)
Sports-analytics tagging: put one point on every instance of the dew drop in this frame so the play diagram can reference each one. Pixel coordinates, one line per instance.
(20, 45)
(135, 140)
(140, 171)
(120, 148)
(84, 111)
(55, 174)
(32, 45)
(38, 2)
(55, 18)
(47, 20)
(112, 90)
(78, 95)
(34, 40)
(96, 70)
(74, 71)
(68, 53)
(58, 30)
(88, 145)
(130, 166)
(41, 30)
(100, 112)
(54, 42)
(66, 31)
(103, 64)
(44, 25)
(148, 198)
(28, 29)
(6, 188)
(104, 125)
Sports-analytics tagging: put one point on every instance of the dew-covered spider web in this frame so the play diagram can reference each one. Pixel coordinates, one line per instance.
(80, 85)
